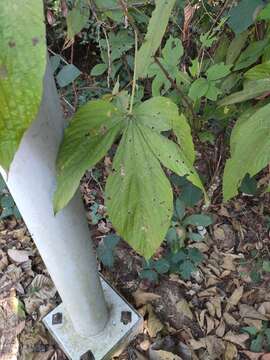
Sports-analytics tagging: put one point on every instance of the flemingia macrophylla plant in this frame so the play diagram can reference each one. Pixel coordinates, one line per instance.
(138, 194)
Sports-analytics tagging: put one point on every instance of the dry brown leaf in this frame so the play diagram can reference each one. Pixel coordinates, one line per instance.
(217, 305)
(228, 263)
(143, 297)
(238, 339)
(212, 291)
(154, 325)
(182, 307)
(230, 352)
(220, 331)
(215, 347)
(201, 318)
(247, 311)
(210, 324)
(3, 260)
(230, 320)
(235, 298)
(211, 309)
(266, 356)
(264, 308)
(252, 355)
(18, 256)
(162, 355)
(254, 322)
(145, 345)
(197, 344)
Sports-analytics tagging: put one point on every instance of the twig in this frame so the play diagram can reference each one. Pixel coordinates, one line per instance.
(174, 85)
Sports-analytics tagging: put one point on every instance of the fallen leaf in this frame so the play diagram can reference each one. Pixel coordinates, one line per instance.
(210, 324)
(215, 346)
(143, 297)
(220, 330)
(247, 311)
(162, 355)
(197, 344)
(238, 339)
(252, 355)
(154, 325)
(235, 298)
(230, 352)
(18, 256)
(182, 307)
(145, 345)
(230, 320)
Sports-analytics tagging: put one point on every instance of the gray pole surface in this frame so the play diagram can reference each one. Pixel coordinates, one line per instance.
(62, 240)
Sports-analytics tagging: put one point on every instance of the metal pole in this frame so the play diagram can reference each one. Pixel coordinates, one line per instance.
(62, 240)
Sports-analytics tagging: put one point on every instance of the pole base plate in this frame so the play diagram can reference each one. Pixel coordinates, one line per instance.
(123, 325)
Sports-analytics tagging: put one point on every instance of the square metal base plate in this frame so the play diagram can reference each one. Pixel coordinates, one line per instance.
(123, 325)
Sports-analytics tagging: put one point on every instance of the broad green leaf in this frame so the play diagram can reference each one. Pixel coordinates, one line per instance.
(98, 69)
(77, 18)
(264, 14)
(248, 185)
(22, 67)
(162, 266)
(67, 74)
(180, 208)
(198, 89)
(212, 92)
(243, 15)
(251, 90)
(251, 151)
(218, 71)
(190, 194)
(171, 156)
(139, 208)
(266, 266)
(258, 72)
(186, 269)
(155, 31)
(157, 113)
(236, 47)
(251, 54)
(182, 130)
(257, 344)
(198, 220)
(88, 138)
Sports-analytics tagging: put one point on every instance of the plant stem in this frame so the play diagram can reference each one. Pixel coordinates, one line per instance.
(134, 74)
(174, 85)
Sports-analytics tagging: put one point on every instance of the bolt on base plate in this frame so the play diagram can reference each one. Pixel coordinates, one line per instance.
(123, 325)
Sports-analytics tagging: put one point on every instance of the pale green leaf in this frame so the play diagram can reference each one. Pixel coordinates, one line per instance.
(158, 113)
(88, 138)
(77, 18)
(22, 67)
(198, 89)
(251, 90)
(98, 69)
(182, 130)
(236, 47)
(155, 31)
(251, 151)
(138, 194)
(212, 92)
(171, 156)
(218, 71)
(251, 54)
(258, 72)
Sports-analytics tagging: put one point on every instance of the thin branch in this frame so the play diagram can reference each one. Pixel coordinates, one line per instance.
(174, 85)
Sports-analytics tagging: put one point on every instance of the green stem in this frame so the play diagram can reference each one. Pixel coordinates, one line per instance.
(134, 74)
